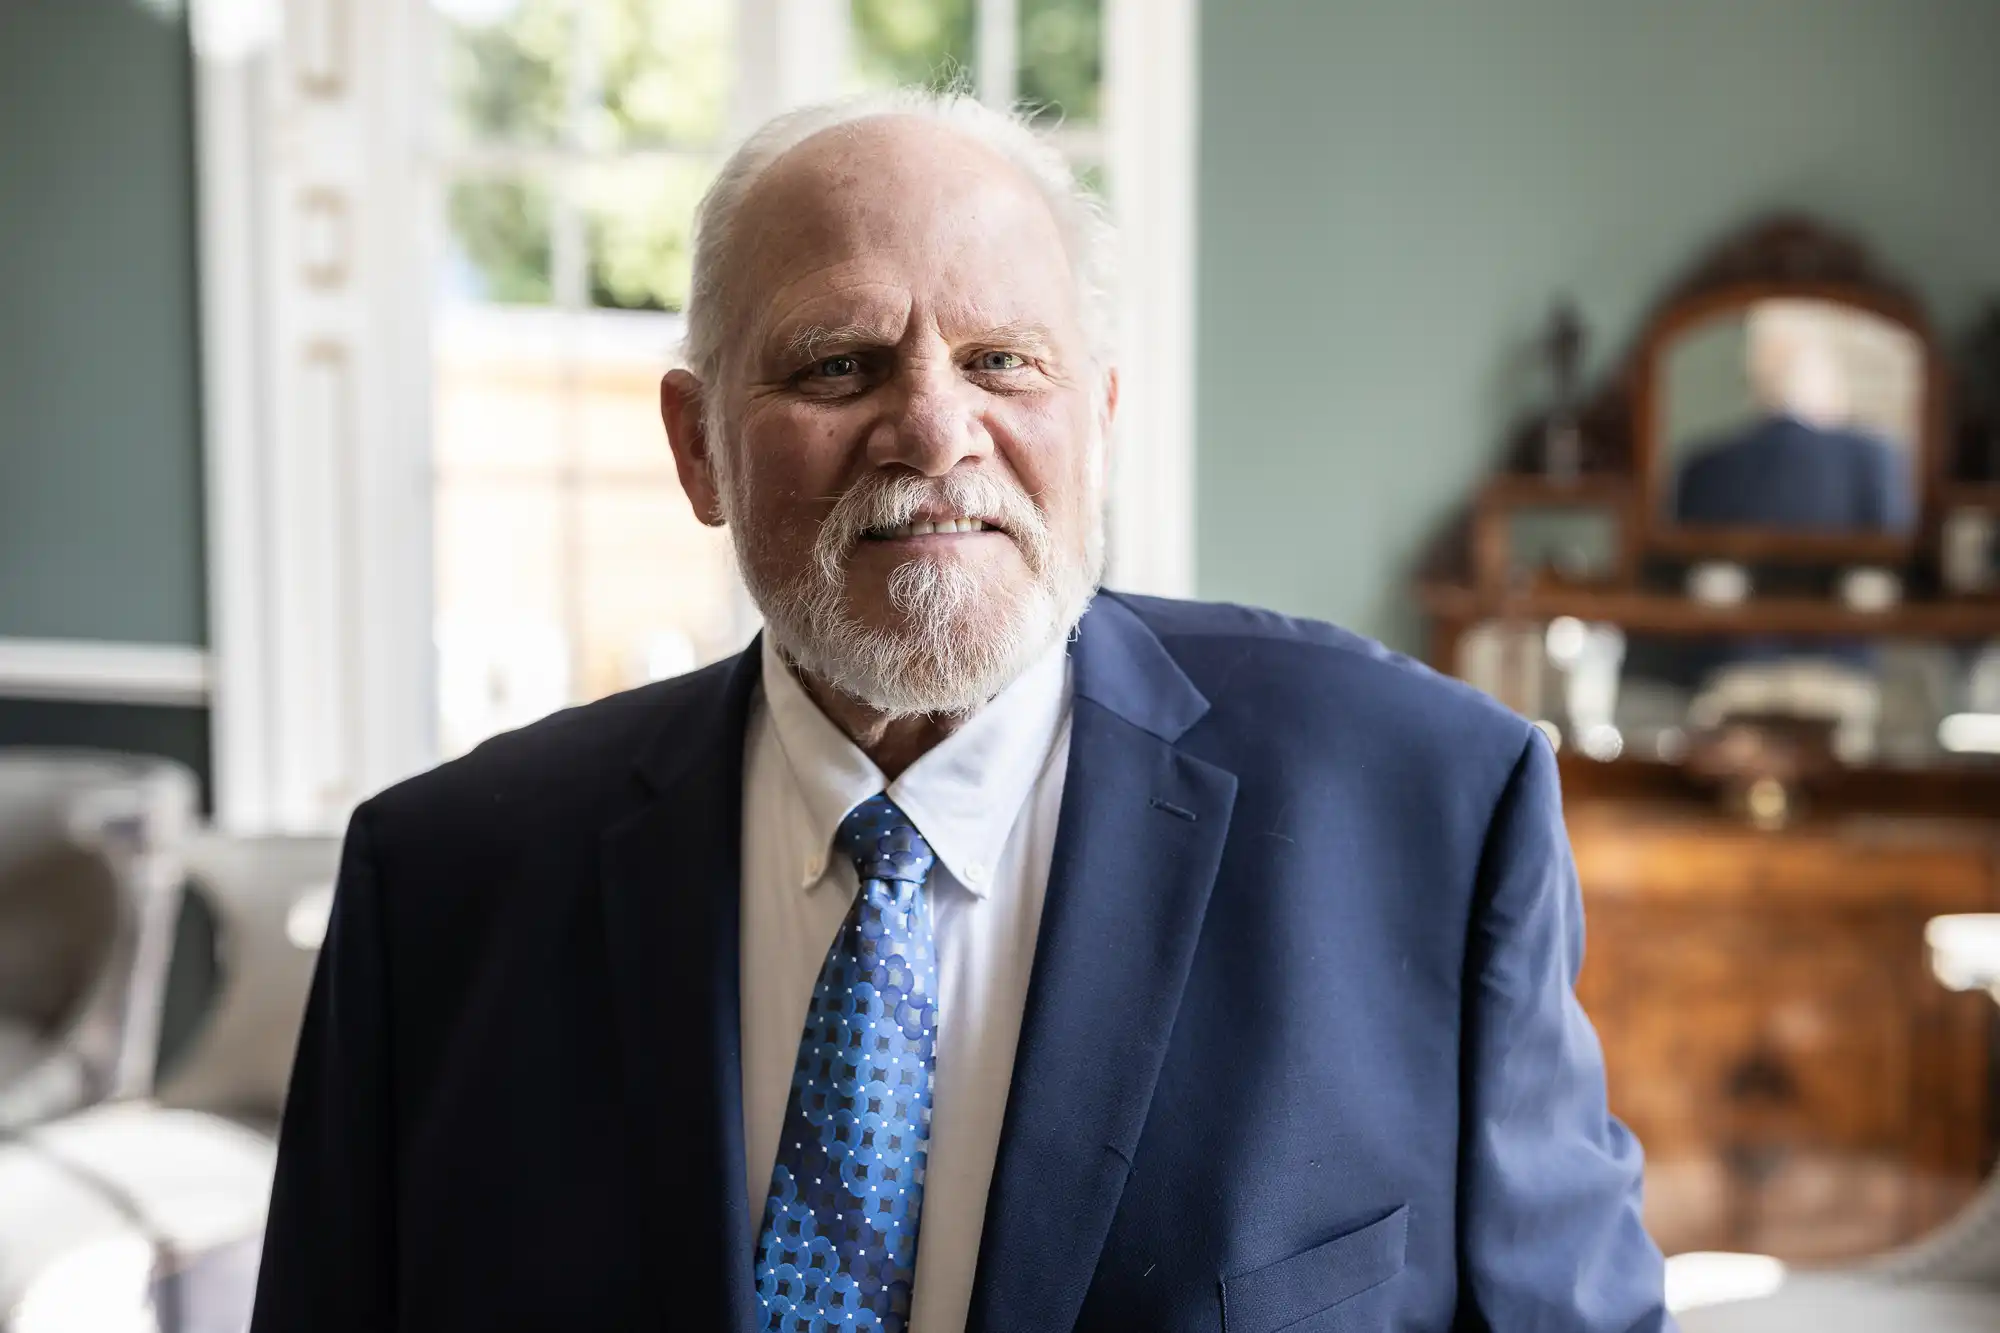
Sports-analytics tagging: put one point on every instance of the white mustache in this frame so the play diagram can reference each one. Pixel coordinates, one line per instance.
(889, 500)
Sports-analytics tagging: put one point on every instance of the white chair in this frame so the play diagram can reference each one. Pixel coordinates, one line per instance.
(147, 1214)
(89, 886)
(131, 1218)
(268, 897)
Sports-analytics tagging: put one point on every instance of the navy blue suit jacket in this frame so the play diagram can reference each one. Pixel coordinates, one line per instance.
(1300, 1049)
(1784, 473)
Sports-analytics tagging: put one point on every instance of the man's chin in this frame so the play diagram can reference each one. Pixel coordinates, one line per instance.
(959, 606)
(944, 660)
(887, 622)
(921, 637)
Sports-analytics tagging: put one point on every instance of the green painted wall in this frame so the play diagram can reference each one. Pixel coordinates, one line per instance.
(1392, 191)
(100, 462)
(100, 459)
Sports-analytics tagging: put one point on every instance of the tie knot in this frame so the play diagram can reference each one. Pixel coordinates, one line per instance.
(883, 843)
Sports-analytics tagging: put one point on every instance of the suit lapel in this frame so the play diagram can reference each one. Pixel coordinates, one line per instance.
(1141, 835)
(671, 888)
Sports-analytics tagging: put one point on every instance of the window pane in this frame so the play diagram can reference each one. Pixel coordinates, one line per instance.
(615, 396)
(497, 242)
(899, 42)
(640, 222)
(1062, 63)
(667, 69)
(657, 590)
(507, 66)
(504, 653)
(497, 382)
(568, 563)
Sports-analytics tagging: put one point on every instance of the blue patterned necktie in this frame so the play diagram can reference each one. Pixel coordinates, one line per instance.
(838, 1249)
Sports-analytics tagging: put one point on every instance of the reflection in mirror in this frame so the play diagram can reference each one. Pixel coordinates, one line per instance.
(1894, 703)
(1797, 415)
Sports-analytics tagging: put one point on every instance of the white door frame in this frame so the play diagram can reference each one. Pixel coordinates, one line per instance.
(316, 399)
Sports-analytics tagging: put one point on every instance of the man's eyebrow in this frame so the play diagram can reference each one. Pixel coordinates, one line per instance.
(1020, 333)
(808, 342)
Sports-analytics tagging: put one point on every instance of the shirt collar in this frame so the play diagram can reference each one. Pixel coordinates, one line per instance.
(963, 795)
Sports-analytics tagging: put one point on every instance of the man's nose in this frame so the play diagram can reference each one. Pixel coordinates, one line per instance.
(933, 422)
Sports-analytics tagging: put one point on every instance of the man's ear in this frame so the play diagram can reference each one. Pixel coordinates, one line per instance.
(1107, 414)
(681, 413)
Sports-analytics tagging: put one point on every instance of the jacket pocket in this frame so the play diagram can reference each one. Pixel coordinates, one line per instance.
(1267, 1299)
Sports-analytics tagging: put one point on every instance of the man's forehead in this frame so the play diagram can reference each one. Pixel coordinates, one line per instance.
(861, 209)
(874, 164)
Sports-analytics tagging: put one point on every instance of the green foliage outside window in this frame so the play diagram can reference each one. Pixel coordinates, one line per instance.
(662, 77)
(639, 221)
(500, 227)
(507, 81)
(1062, 64)
(667, 72)
(900, 43)
(935, 42)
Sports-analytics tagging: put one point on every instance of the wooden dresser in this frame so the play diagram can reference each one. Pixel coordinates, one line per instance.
(1802, 1084)
(1778, 723)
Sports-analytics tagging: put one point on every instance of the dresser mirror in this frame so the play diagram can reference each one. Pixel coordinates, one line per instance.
(1787, 414)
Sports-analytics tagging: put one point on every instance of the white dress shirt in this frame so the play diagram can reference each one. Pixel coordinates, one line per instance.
(986, 799)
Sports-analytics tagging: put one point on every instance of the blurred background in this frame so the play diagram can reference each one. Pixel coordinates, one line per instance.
(1639, 364)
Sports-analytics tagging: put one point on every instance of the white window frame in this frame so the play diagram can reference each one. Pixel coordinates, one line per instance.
(1152, 86)
(310, 124)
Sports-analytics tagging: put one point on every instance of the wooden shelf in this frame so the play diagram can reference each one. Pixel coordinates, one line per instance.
(1771, 546)
(1643, 612)
(1910, 799)
(1971, 495)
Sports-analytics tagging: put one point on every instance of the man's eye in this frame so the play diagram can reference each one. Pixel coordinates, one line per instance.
(1001, 361)
(838, 367)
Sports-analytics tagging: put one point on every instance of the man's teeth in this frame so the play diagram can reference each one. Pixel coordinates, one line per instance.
(943, 528)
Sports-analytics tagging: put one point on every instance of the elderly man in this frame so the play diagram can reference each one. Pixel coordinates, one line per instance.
(957, 957)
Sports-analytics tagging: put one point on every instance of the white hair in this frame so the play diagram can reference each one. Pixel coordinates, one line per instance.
(1087, 234)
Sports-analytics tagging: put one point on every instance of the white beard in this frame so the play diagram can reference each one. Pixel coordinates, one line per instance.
(960, 643)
